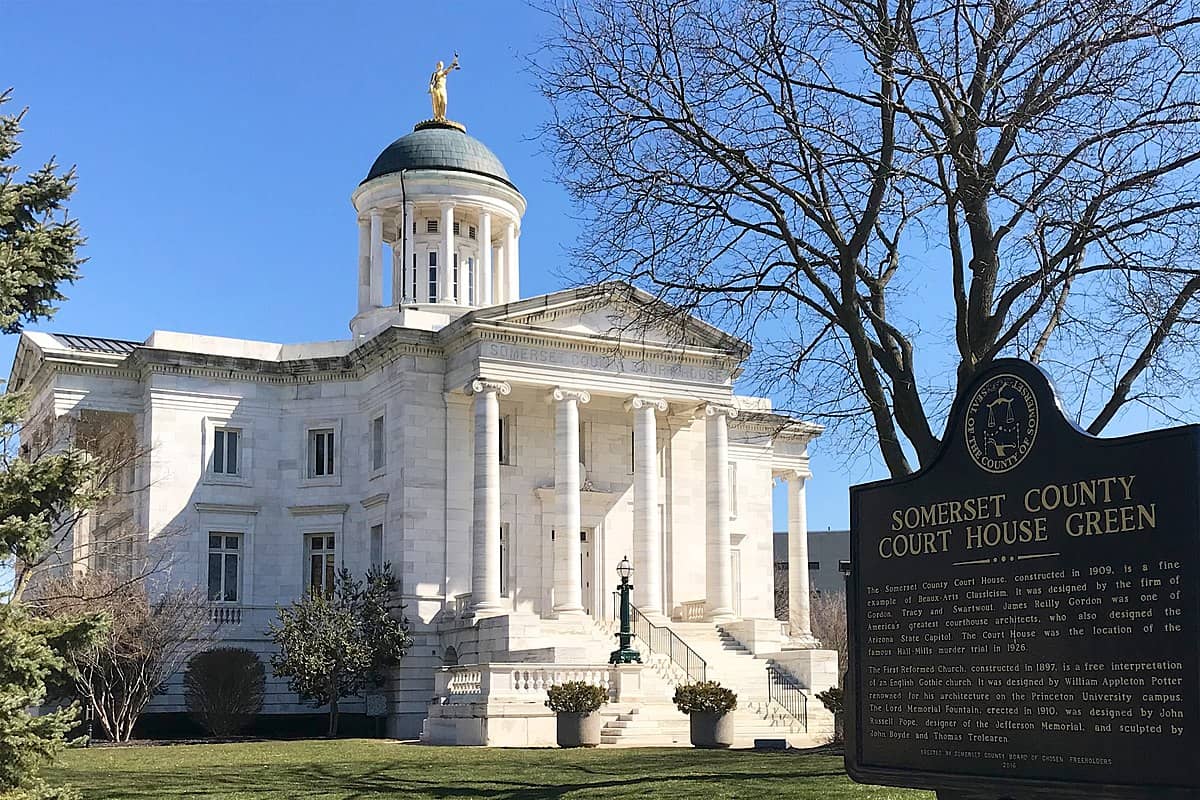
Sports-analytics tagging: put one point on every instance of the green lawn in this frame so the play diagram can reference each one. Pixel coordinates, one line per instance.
(362, 768)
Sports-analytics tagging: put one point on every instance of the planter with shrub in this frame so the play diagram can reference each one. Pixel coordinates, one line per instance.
(707, 705)
(577, 705)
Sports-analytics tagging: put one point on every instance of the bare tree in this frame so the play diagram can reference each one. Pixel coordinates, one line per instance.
(828, 618)
(145, 643)
(834, 171)
(97, 530)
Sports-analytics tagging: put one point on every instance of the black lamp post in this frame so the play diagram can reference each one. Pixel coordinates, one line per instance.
(625, 654)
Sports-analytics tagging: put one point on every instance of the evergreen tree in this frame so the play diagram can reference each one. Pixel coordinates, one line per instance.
(334, 646)
(38, 245)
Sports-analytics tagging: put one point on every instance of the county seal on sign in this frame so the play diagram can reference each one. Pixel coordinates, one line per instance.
(1001, 423)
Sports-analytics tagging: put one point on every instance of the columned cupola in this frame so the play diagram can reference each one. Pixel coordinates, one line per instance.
(438, 210)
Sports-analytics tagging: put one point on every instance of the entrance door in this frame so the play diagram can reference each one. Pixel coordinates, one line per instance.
(735, 580)
(587, 568)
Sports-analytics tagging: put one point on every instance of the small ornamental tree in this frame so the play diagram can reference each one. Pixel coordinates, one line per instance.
(335, 646)
(224, 688)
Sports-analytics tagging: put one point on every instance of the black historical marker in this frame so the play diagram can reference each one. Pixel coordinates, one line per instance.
(1024, 617)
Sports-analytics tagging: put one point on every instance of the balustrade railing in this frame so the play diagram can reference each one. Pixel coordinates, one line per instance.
(241, 619)
(788, 694)
(514, 682)
(692, 610)
(664, 641)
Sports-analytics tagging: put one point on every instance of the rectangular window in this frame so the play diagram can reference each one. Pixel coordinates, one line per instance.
(504, 561)
(322, 563)
(471, 232)
(225, 451)
(454, 275)
(505, 440)
(470, 281)
(585, 443)
(433, 276)
(377, 546)
(632, 452)
(457, 228)
(378, 451)
(415, 280)
(224, 550)
(320, 452)
(431, 226)
(662, 457)
(814, 565)
(733, 492)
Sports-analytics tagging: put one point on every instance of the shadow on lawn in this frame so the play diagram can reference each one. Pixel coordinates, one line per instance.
(693, 784)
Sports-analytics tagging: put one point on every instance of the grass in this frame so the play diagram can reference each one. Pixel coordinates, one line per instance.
(366, 768)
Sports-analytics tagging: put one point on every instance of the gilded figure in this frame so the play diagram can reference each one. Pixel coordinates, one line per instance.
(437, 88)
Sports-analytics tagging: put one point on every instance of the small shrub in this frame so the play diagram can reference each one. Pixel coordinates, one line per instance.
(224, 689)
(705, 697)
(834, 699)
(575, 697)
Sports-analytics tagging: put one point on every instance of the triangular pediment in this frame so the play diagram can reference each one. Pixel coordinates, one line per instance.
(614, 312)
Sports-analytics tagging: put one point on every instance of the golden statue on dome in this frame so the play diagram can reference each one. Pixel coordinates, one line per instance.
(437, 92)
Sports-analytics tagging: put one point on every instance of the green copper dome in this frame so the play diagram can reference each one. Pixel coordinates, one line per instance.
(438, 146)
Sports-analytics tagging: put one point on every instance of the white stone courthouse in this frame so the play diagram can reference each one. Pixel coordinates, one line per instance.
(501, 453)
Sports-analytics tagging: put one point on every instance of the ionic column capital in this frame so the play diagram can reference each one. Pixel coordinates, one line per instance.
(791, 474)
(559, 394)
(717, 409)
(375, 213)
(638, 402)
(483, 385)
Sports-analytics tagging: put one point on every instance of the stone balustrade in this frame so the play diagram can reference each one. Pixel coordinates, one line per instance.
(516, 682)
(692, 611)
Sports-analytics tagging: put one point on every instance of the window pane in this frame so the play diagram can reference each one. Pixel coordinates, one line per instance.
(219, 451)
(377, 450)
(231, 576)
(231, 460)
(329, 453)
(328, 542)
(319, 443)
(214, 542)
(214, 576)
(231, 542)
(329, 574)
(314, 575)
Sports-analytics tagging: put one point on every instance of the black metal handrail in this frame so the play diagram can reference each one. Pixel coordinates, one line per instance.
(661, 639)
(788, 694)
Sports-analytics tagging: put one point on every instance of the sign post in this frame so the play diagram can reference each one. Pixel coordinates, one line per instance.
(1024, 618)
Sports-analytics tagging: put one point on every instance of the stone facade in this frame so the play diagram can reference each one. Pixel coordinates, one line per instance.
(456, 436)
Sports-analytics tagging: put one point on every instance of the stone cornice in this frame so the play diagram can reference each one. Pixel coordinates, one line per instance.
(310, 511)
(374, 500)
(224, 508)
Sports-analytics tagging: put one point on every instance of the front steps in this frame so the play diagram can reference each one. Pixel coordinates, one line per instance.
(655, 722)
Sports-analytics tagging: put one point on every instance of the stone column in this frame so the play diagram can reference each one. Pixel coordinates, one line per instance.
(484, 296)
(568, 583)
(446, 261)
(512, 264)
(364, 264)
(717, 574)
(376, 295)
(408, 271)
(485, 530)
(647, 535)
(499, 286)
(799, 620)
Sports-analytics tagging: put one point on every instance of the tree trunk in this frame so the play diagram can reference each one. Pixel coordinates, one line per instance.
(333, 714)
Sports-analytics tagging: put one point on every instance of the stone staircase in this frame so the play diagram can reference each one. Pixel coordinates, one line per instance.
(656, 722)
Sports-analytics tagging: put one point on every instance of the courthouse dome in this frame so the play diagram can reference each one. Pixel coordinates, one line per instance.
(435, 145)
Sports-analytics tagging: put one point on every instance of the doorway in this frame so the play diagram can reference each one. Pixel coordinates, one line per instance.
(587, 569)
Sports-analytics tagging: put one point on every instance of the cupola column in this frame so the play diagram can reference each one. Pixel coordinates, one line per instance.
(499, 286)
(364, 264)
(512, 263)
(446, 266)
(376, 293)
(408, 266)
(483, 295)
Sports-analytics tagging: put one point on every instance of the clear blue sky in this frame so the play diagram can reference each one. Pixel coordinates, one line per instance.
(217, 144)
